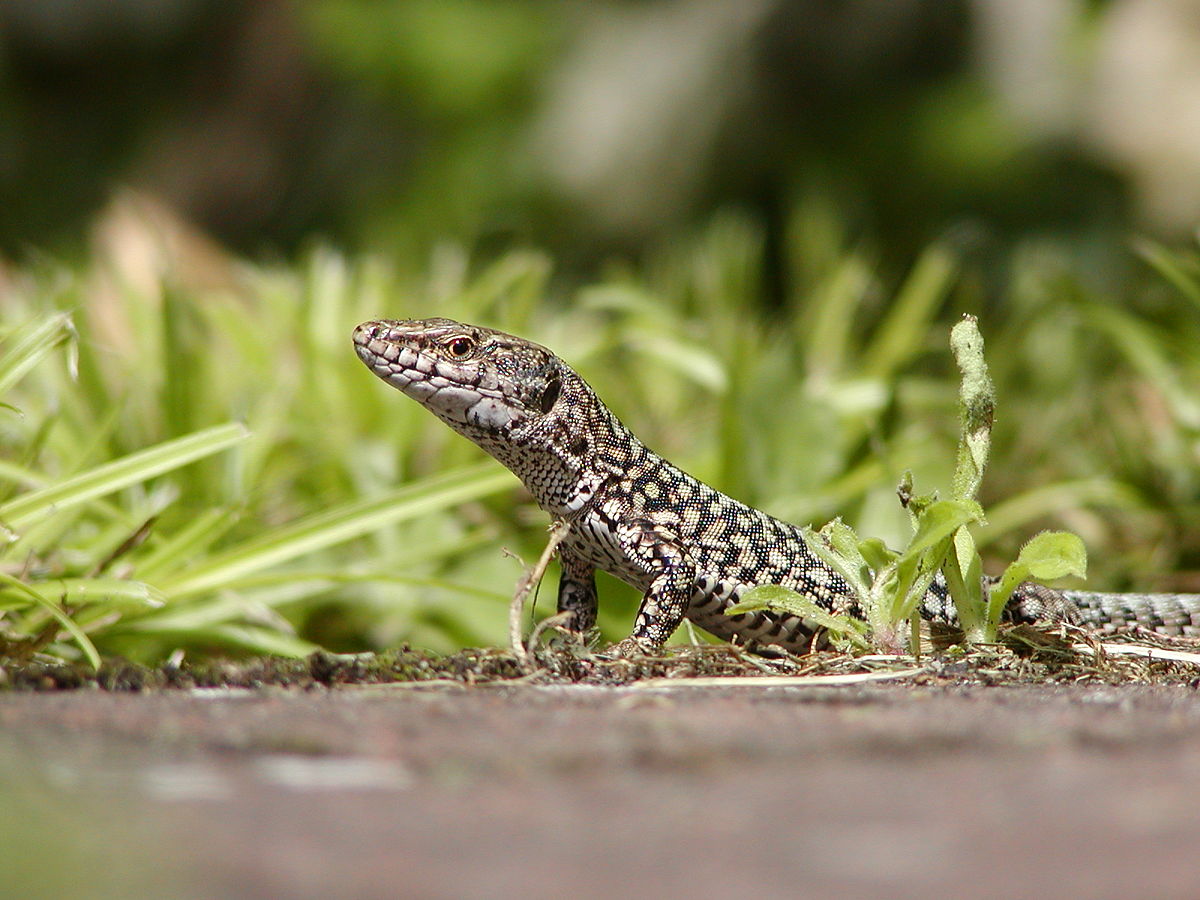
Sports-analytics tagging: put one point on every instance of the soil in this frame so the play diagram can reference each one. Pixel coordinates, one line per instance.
(990, 775)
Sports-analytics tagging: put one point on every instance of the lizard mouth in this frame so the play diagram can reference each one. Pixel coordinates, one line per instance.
(392, 360)
(372, 339)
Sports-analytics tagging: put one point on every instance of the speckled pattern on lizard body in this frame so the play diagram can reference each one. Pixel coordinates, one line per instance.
(689, 548)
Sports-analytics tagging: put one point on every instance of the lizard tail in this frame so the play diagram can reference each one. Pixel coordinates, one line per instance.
(1172, 614)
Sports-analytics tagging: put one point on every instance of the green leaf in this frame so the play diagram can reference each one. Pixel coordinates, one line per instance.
(832, 314)
(963, 571)
(836, 545)
(918, 564)
(780, 599)
(937, 522)
(902, 335)
(877, 555)
(1145, 346)
(187, 544)
(1049, 499)
(1172, 267)
(249, 638)
(1046, 556)
(1054, 554)
(699, 364)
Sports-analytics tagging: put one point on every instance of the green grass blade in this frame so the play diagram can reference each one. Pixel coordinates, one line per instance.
(30, 344)
(830, 322)
(903, 333)
(114, 592)
(248, 638)
(15, 473)
(327, 577)
(1171, 267)
(775, 597)
(189, 543)
(1051, 499)
(335, 526)
(1147, 350)
(71, 628)
(131, 469)
(190, 616)
(111, 593)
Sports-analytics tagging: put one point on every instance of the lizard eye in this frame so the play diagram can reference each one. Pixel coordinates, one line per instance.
(460, 347)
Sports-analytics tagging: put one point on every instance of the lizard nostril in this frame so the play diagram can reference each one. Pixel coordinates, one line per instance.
(365, 332)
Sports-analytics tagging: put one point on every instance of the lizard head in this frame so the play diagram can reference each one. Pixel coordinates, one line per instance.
(474, 379)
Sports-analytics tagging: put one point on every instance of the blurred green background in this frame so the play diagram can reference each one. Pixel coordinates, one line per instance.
(749, 222)
(601, 126)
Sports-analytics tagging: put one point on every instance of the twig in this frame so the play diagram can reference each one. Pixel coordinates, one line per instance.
(549, 622)
(1141, 650)
(528, 582)
(780, 680)
(747, 659)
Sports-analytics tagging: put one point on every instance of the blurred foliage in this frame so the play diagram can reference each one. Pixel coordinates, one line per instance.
(396, 124)
(453, 58)
(351, 518)
(462, 75)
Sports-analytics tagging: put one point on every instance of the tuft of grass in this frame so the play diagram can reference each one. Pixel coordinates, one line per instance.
(136, 522)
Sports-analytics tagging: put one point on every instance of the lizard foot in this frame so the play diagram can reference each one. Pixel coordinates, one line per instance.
(626, 649)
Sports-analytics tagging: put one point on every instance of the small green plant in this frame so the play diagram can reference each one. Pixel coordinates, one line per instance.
(890, 585)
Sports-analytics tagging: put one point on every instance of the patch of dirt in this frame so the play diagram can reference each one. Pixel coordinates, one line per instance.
(1049, 764)
(1026, 655)
(439, 789)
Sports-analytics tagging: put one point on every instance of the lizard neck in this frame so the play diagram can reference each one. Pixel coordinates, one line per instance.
(566, 457)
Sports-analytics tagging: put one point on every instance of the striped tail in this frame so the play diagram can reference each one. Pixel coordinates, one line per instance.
(1171, 614)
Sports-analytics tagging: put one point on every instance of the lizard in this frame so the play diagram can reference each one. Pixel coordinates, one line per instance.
(690, 549)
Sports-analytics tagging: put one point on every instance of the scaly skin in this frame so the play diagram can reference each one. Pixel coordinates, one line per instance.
(689, 548)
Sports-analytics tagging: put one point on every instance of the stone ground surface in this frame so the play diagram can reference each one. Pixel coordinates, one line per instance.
(878, 790)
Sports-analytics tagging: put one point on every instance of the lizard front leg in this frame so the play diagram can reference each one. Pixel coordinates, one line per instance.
(577, 590)
(656, 550)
